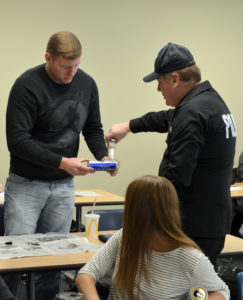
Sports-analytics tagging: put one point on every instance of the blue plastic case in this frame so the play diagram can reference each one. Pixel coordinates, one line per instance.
(108, 165)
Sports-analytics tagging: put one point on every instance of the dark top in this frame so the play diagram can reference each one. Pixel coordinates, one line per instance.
(44, 121)
(198, 159)
(5, 293)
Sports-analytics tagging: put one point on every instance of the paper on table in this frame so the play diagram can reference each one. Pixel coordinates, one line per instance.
(236, 188)
(87, 193)
(44, 244)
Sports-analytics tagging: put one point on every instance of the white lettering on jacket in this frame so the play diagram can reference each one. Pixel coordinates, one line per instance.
(229, 125)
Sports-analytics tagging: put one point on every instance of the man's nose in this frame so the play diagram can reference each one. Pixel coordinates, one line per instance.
(72, 71)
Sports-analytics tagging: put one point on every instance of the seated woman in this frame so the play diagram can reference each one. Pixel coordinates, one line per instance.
(151, 256)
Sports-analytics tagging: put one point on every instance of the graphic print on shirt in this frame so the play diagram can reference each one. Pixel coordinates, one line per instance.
(64, 122)
(229, 125)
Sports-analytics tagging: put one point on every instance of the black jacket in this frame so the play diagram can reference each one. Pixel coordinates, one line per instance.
(198, 159)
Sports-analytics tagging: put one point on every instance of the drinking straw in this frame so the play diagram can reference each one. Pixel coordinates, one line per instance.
(92, 210)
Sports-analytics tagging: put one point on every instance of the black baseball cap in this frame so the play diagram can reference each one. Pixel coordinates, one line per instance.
(171, 57)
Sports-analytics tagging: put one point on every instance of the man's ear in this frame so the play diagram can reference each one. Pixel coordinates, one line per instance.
(175, 79)
(47, 57)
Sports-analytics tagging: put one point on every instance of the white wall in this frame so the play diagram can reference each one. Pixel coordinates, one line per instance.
(120, 42)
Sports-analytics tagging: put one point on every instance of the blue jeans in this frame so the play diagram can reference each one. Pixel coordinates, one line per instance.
(39, 206)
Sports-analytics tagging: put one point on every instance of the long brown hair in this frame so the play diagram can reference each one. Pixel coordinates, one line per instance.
(151, 206)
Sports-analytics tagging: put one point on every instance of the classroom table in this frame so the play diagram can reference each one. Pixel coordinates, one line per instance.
(237, 202)
(75, 261)
(49, 262)
(236, 190)
(233, 245)
(105, 198)
(61, 262)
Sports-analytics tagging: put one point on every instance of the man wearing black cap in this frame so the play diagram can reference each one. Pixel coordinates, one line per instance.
(200, 146)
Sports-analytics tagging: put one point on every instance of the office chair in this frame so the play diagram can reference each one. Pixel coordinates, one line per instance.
(237, 173)
(240, 168)
(1, 219)
(237, 202)
(240, 285)
(110, 219)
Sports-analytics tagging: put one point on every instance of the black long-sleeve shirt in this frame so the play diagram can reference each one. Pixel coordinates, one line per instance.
(44, 120)
(198, 159)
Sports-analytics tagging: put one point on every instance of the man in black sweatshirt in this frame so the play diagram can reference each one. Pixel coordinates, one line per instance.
(49, 106)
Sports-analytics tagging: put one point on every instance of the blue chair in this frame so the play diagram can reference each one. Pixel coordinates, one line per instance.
(110, 219)
(240, 285)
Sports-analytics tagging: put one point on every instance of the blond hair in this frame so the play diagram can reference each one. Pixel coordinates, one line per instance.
(64, 43)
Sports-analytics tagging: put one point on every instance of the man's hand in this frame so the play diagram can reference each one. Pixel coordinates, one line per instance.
(118, 132)
(112, 173)
(75, 167)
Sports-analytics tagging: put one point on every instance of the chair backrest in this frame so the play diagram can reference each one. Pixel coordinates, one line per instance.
(237, 176)
(240, 285)
(1, 219)
(110, 219)
(240, 168)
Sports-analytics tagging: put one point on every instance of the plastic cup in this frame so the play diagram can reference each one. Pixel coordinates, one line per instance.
(91, 223)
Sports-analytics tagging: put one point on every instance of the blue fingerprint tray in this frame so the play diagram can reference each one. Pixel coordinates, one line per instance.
(108, 165)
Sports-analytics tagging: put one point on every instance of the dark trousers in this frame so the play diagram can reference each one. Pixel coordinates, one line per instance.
(47, 284)
(211, 247)
(5, 293)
